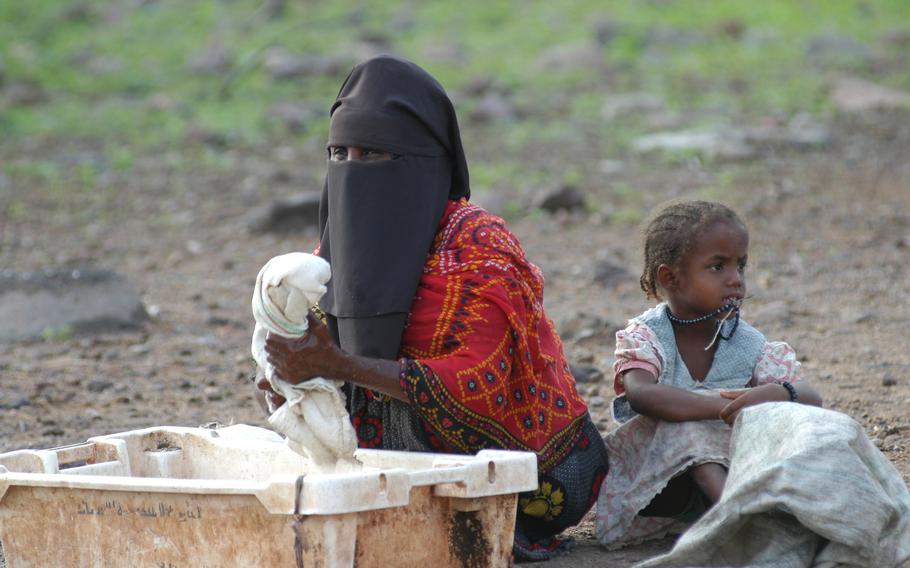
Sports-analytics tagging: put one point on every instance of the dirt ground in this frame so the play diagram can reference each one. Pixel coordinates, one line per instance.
(828, 273)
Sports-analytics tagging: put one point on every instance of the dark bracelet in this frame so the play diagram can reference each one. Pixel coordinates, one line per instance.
(790, 389)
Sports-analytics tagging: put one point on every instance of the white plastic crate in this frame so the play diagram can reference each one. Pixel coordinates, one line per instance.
(173, 497)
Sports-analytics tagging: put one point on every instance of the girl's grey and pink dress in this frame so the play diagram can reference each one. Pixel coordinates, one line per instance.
(645, 454)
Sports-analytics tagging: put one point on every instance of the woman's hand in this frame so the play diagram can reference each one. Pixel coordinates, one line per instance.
(771, 392)
(269, 398)
(299, 359)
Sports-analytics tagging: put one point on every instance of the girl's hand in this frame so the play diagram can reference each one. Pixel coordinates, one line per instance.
(770, 392)
(299, 359)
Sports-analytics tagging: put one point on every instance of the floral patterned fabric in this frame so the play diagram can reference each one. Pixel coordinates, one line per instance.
(482, 363)
(483, 367)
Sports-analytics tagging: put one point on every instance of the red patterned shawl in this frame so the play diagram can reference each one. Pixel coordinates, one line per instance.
(485, 367)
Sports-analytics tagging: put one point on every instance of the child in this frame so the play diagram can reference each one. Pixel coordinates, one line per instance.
(683, 371)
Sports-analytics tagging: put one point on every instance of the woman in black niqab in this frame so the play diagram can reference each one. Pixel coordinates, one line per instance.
(377, 219)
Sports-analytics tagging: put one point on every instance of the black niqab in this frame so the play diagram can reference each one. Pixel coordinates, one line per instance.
(378, 219)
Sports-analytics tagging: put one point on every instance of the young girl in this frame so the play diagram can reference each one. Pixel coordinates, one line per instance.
(683, 371)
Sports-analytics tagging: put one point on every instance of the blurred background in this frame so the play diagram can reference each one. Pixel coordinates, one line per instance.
(154, 154)
(92, 90)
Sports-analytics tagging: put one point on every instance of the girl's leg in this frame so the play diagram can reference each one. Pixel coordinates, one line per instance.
(710, 478)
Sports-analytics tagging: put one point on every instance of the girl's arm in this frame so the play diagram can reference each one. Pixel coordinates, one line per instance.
(646, 396)
(778, 363)
(769, 392)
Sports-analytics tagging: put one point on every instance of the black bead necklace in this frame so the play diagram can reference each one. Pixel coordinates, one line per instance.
(728, 307)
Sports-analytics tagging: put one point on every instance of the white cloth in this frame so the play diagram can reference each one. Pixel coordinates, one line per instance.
(314, 418)
(806, 487)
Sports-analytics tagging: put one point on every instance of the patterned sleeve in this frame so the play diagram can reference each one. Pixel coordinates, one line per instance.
(637, 347)
(777, 362)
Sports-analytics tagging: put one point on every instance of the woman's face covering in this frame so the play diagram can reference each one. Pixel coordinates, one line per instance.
(357, 154)
(394, 160)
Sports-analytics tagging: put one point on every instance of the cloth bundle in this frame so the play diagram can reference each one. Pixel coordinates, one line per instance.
(314, 418)
(806, 487)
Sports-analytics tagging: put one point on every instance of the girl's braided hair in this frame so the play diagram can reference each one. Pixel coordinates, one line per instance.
(670, 235)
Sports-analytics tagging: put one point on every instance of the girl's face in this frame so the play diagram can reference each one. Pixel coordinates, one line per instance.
(713, 273)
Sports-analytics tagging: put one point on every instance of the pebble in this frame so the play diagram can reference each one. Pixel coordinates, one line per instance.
(597, 401)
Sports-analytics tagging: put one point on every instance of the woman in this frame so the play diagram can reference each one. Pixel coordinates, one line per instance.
(434, 316)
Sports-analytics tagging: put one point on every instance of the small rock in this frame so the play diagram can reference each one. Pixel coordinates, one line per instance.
(492, 107)
(802, 132)
(274, 9)
(855, 95)
(733, 29)
(898, 37)
(99, 385)
(597, 401)
(448, 52)
(480, 85)
(16, 404)
(853, 316)
(726, 144)
(139, 349)
(283, 65)
(673, 38)
(372, 44)
(772, 312)
(605, 31)
(295, 213)
(585, 373)
(24, 94)
(213, 393)
(827, 48)
(608, 274)
(56, 303)
(160, 102)
(891, 441)
(570, 56)
(197, 134)
(888, 381)
(611, 167)
(294, 117)
(623, 105)
(213, 60)
(564, 197)
(78, 12)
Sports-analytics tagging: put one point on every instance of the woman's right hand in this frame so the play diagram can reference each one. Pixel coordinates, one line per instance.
(302, 358)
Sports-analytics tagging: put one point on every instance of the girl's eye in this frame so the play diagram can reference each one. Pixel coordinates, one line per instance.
(338, 154)
(742, 267)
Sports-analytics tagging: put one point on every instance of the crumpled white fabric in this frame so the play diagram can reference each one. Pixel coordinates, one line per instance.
(314, 418)
(806, 487)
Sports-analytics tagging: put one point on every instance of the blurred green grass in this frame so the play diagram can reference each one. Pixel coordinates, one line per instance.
(116, 74)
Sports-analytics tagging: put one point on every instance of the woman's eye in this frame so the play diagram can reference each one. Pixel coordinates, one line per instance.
(338, 154)
(373, 154)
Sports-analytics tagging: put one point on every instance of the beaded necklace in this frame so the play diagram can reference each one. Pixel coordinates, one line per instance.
(731, 307)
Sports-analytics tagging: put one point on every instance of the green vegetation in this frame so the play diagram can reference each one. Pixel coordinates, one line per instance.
(119, 76)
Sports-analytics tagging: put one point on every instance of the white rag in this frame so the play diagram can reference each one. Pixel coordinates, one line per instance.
(314, 418)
